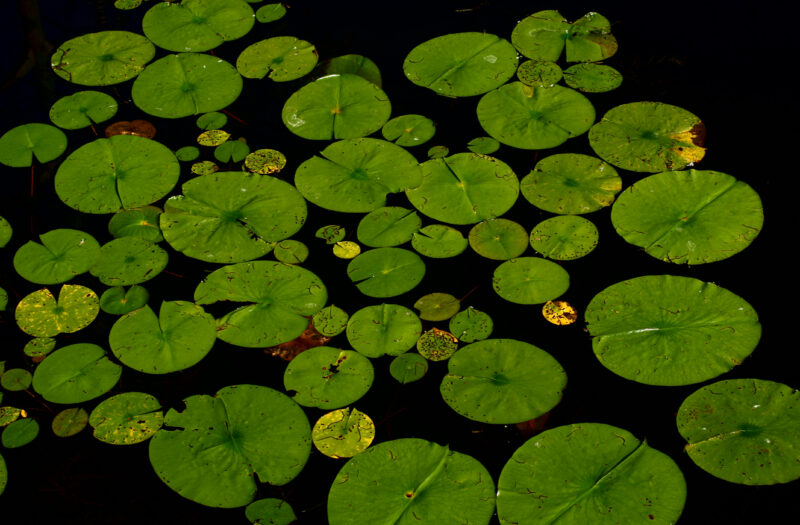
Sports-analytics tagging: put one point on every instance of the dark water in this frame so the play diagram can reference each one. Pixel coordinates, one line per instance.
(726, 66)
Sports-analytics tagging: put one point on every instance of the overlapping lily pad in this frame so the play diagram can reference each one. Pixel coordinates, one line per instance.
(388, 226)
(62, 255)
(19, 146)
(529, 280)
(126, 419)
(328, 378)
(129, 260)
(197, 25)
(353, 65)
(102, 59)
(281, 58)
(137, 222)
(82, 109)
(409, 130)
(291, 251)
(564, 238)
(545, 34)
(119, 301)
(389, 329)
(39, 314)
(386, 272)
(75, 373)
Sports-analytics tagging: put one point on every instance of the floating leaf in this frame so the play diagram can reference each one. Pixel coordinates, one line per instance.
(270, 13)
(498, 239)
(18, 146)
(346, 249)
(265, 161)
(408, 367)
(129, 260)
(437, 345)
(15, 379)
(70, 422)
(39, 315)
(20, 433)
(39, 347)
(670, 330)
(388, 226)
(328, 378)
(232, 151)
(545, 34)
(437, 306)
(137, 222)
(438, 152)
(383, 329)
(592, 78)
(559, 313)
(529, 280)
(564, 238)
(127, 4)
(5, 232)
(211, 120)
(330, 321)
(471, 325)
(9, 415)
(187, 153)
(213, 137)
(386, 272)
(3, 299)
(140, 128)
(125, 419)
(197, 25)
(3, 474)
(62, 255)
(204, 167)
(281, 58)
(332, 233)
(102, 59)
(75, 373)
(270, 511)
(291, 252)
(118, 301)
(409, 130)
(439, 241)
(483, 145)
(342, 433)
(82, 109)
(352, 65)
(539, 73)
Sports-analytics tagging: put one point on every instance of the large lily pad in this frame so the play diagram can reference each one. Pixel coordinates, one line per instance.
(282, 298)
(386, 272)
(461, 64)
(383, 329)
(82, 109)
(465, 188)
(328, 378)
(689, 217)
(75, 373)
(545, 34)
(126, 419)
(530, 280)
(232, 216)
(18, 146)
(102, 59)
(502, 381)
(39, 314)
(129, 260)
(670, 330)
(281, 58)
(589, 473)
(62, 255)
(197, 25)
(218, 447)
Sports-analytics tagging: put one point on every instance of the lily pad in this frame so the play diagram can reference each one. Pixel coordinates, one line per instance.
(129, 260)
(539, 73)
(15, 379)
(437, 306)
(386, 272)
(62, 255)
(232, 151)
(342, 433)
(529, 280)
(461, 64)
(589, 473)
(592, 78)
(270, 13)
(564, 238)
(465, 188)
(281, 58)
(670, 330)
(355, 175)
(122, 172)
(137, 222)
(545, 34)
(197, 25)
(5, 232)
(331, 233)
(179, 337)
(270, 511)
(352, 65)
(125, 419)
(102, 59)
(498, 239)
(265, 161)
(346, 249)
(204, 167)
(649, 137)
(743, 431)
(483, 145)
(246, 433)
(438, 152)
(82, 109)
(186, 84)
(20, 433)
(409, 130)
(291, 252)
(384, 329)
(70, 422)
(213, 137)
(75, 373)
(502, 381)
(534, 118)
(232, 216)
(330, 321)
(211, 120)
(388, 226)
(118, 301)
(689, 217)
(439, 241)
(39, 347)
(571, 183)
(328, 378)
(411, 481)
(471, 325)
(408, 367)
(3, 300)
(39, 314)
(336, 107)
(19, 146)
(559, 313)
(9, 414)
(437, 345)
(282, 298)
(187, 153)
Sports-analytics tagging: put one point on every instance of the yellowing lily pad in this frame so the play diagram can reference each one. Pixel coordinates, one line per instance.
(343, 433)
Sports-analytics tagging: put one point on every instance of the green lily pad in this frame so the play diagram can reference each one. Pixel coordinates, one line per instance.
(328, 378)
(437, 306)
(82, 109)
(270, 13)
(15, 379)
(438, 152)
(437, 345)
(211, 120)
(20, 433)
(352, 65)
(534, 118)
(244, 431)
(129, 260)
(336, 107)
(186, 84)
(187, 153)
(118, 301)
(270, 511)
(232, 151)
(179, 337)
(670, 330)
(564, 238)
(471, 325)
(39, 314)
(232, 216)
(5, 232)
(102, 59)
(498, 239)
(383, 329)
(465, 188)
(386, 272)
(388, 226)
(282, 298)
(126, 5)
(483, 145)
(355, 175)
(204, 167)
(62, 255)
(70, 422)
(743, 431)
(592, 78)
(281, 58)
(121, 172)
(589, 473)
(291, 252)
(3, 299)
(409, 130)
(571, 183)
(502, 381)
(197, 25)
(545, 34)
(127, 418)
(408, 367)
(137, 222)
(439, 241)
(75, 373)
(649, 137)
(3, 474)
(689, 217)
(330, 321)
(461, 64)
(342, 433)
(19, 146)
(39, 347)
(411, 481)
(331, 233)
(539, 73)
(529, 280)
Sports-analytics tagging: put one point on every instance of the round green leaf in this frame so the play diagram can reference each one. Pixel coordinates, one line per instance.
(471, 325)
(291, 252)
(118, 301)
(15, 379)
(328, 378)
(232, 216)
(352, 65)
(743, 431)
(332, 233)
(539, 73)
(62, 255)
(409, 130)
(437, 345)
(270, 13)
(20, 433)
(342, 433)
(571, 183)
(187, 153)
(670, 330)
(383, 329)
(465, 188)
(281, 58)
(138, 222)
(19, 145)
(197, 25)
(502, 381)
(534, 118)
(39, 314)
(70, 422)
(38, 347)
(124, 171)
(649, 137)
(330, 321)
(545, 34)
(483, 145)
(439, 241)
(127, 4)
(270, 511)
(232, 151)
(244, 431)
(282, 298)
(530, 280)
(127, 418)
(388, 226)
(564, 238)
(102, 59)
(129, 260)
(386, 272)
(592, 78)
(75, 373)
(408, 367)
(3, 474)
(689, 217)
(411, 481)
(82, 109)
(186, 84)
(212, 120)
(498, 239)
(3, 299)
(5, 232)
(461, 64)
(589, 473)
(336, 107)
(437, 306)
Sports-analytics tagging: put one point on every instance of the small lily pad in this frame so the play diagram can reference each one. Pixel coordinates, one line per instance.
(20, 433)
(187, 153)
(280, 58)
(559, 313)
(545, 34)
(102, 59)
(82, 109)
(539, 73)
(530, 280)
(592, 78)
(270, 13)
(15, 379)
(328, 378)
(19, 146)
(343, 433)
(437, 345)
(270, 511)
(38, 347)
(5, 232)
(125, 419)
(438, 152)
(291, 252)
(331, 233)
(498, 239)
(383, 329)
(3, 474)
(75, 373)
(232, 151)
(471, 325)
(409, 367)
(197, 25)
(346, 249)
(129, 260)
(265, 161)
(352, 65)
(62, 255)
(330, 321)
(70, 422)
(386, 272)
(437, 306)
(483, 145)
(213, 137)
(137, 222)
(204, 167)
(211, 120)
(39, 314)
(118, 301)
(388, 226)
(9, 414)
(439, 241)
(409, 130)
(564, 238)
